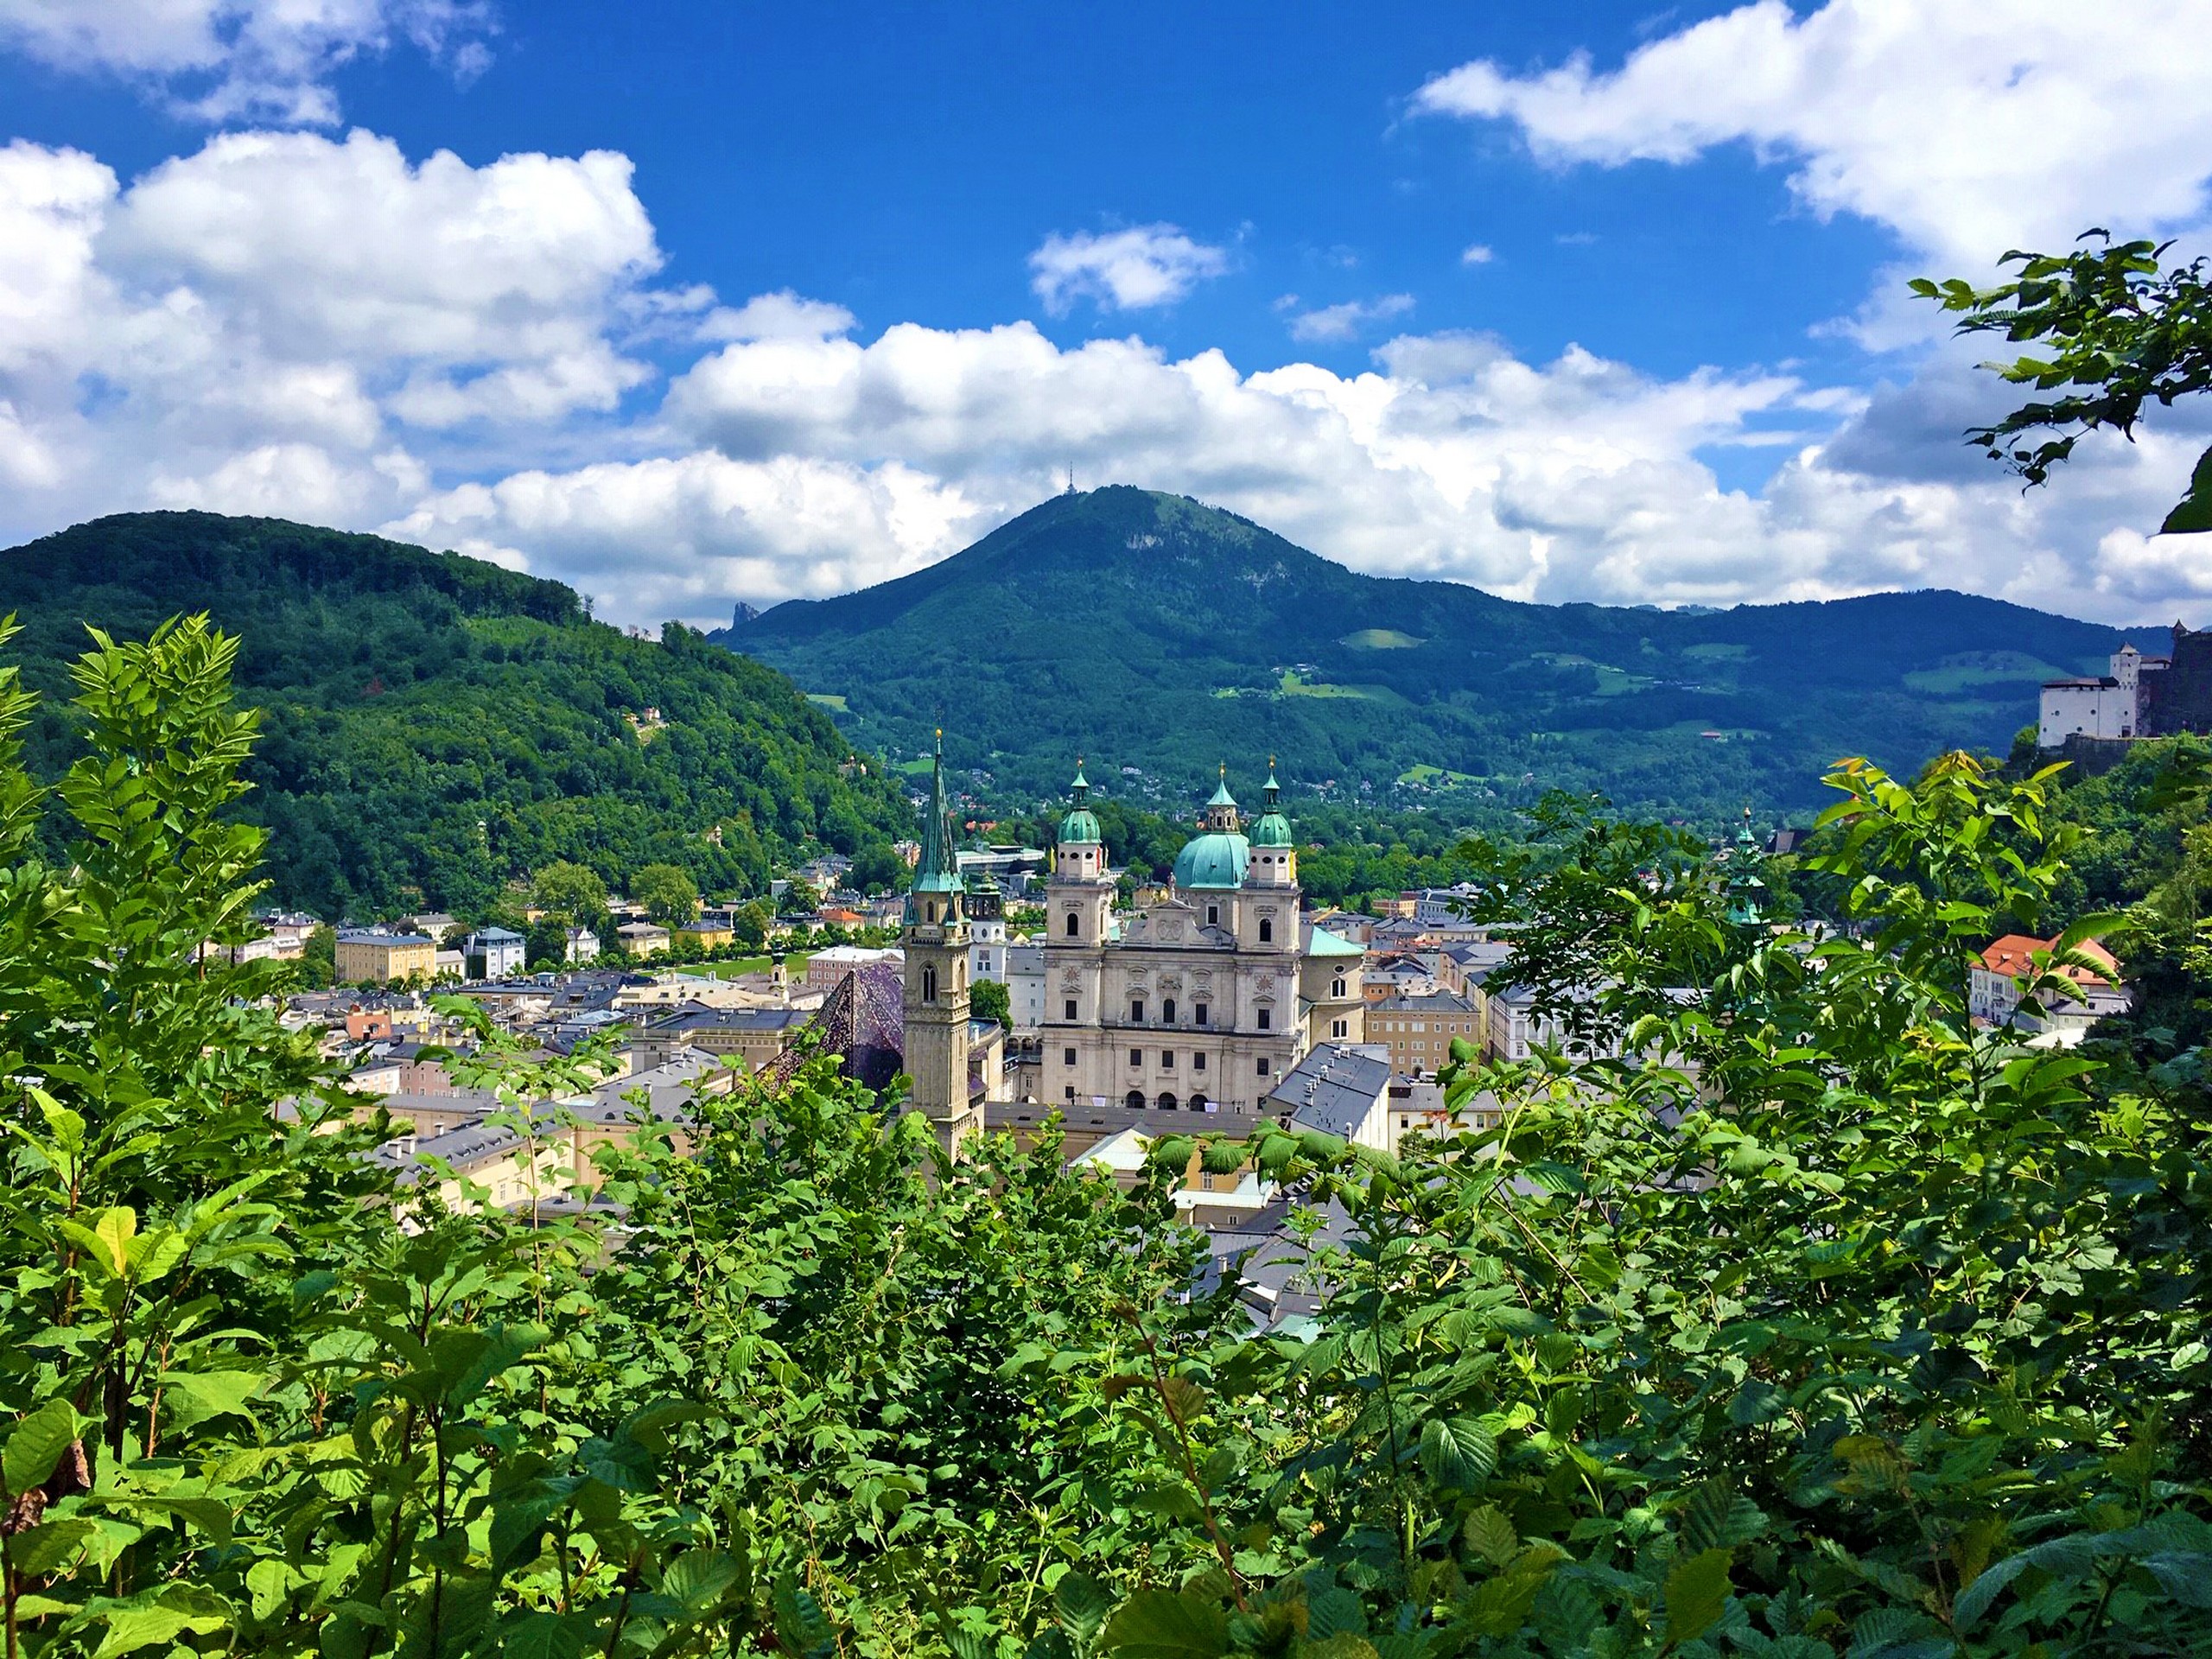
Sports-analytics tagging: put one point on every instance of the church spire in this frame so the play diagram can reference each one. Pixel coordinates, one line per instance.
(937, 869)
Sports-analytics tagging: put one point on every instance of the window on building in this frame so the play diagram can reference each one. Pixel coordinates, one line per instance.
(1134, 1100)
(1167, 1011)
(1136, 1057)
(1199, 1014)
(1266, 929)
(1197, 1102)
(1167, 1059)
(1074, 926)
(1340, 1028)
(1199, 1061)
(1336, 988)
(1070, 1091)
(929, 985)
(1266, 1016)
(1070, 1005)
(1263, 1065)
(1067, 1057)
(1166, 1102)
(1213, 915)
(1136, 1010)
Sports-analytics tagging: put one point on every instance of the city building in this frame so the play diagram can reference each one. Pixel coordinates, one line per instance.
(1417, 1031)
(939, 1035)
(642, 938)
(1200, 1001)
(1996, 996)
(1024, 985)
(366, 955)
(986, 928)
(493, 953)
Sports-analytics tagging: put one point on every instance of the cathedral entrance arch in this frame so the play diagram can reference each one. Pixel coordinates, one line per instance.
(1135, 1100)
(1167, 1102)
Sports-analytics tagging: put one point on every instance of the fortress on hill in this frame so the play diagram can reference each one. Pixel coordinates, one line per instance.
(2143, 697)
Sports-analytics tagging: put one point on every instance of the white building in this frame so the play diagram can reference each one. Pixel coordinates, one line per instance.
(1202, 1000)
(494, 953)
(1024, 985)
(2110, 705)
(986, 928)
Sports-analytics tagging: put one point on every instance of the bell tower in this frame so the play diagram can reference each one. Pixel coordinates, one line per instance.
(936, 937)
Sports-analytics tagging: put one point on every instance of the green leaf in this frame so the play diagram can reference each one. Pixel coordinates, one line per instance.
(36, 1445)
(542, 1635)
(701, 1578)
(1081, 1603)
(1720, 1519)
(127, 1629)
(2192, 514)
(206, 1394)
(1490, 1533)
(1334, 1612)
(1457, 1452)
(1164, 1624)
(1697, 1591)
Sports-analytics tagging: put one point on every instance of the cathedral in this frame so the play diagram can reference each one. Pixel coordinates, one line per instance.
(1201, 1002)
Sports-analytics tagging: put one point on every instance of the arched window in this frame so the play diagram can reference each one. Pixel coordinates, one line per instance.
(1266, 929)
(1167, 1102)
(1197, 1102)
(1135, 1100)
(1167, 1011)
(1074, 926)
(1337, 987)
(929, 985)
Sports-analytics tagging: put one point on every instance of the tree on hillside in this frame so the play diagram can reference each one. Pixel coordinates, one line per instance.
(668, 893)
(570, 892)
(2119, 332)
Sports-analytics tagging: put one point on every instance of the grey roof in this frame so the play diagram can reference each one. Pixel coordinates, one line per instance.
(1436, 1002)
(497, 936)
(1334, 1088)
(698, 1016)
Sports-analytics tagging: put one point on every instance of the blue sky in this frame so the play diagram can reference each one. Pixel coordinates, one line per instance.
(480, 275)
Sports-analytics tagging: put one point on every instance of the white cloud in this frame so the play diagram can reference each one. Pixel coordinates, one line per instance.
(1967, 130)
(1121, 270)
(1477, 253)
(1345, 321)
(224, 61)
(296, 325)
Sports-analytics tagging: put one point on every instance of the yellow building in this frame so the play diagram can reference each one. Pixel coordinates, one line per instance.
(368, 954)
(701, 936)
(1417, 1031)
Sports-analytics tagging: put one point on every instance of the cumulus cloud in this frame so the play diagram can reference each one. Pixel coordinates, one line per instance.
(1121, 270)
(1346, 321)
(278, 294)
(224, 61)
(323, 328)
(1477, 253)
(1967, 129)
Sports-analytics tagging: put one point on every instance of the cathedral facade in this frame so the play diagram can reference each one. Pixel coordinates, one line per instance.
(1202, 1001)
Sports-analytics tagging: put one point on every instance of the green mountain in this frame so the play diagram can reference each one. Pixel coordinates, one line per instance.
(1150, 630)
(435, 726)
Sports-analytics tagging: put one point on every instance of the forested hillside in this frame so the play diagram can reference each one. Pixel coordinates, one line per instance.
(435, 726)
(1148, 629)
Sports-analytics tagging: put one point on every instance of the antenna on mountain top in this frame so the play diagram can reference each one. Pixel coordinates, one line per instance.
(1071, 488)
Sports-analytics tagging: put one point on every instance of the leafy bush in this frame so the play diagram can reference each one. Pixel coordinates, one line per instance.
(1820, 1323)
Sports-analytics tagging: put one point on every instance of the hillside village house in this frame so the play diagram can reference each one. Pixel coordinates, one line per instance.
(1995, 996)
(708, 934)
(642, 938)
(368, 954)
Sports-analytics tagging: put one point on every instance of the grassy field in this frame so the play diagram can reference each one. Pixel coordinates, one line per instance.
(829, 700)
(1973, 668)
(1380, 639)
(1437, 777)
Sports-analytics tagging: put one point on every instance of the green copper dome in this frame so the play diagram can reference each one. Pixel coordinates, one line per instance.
(1273, 831)
(1220, 795)
(1080, 827)
(1217, 859)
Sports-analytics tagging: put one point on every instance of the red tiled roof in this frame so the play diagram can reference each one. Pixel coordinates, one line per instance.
(2011, 956)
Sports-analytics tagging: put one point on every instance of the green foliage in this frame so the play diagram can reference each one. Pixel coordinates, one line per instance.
(990, 1000)
(436, 729)
(1114, 617)
(570, 893)
(2114, 323)
(668, 893)
(1800, 1319)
